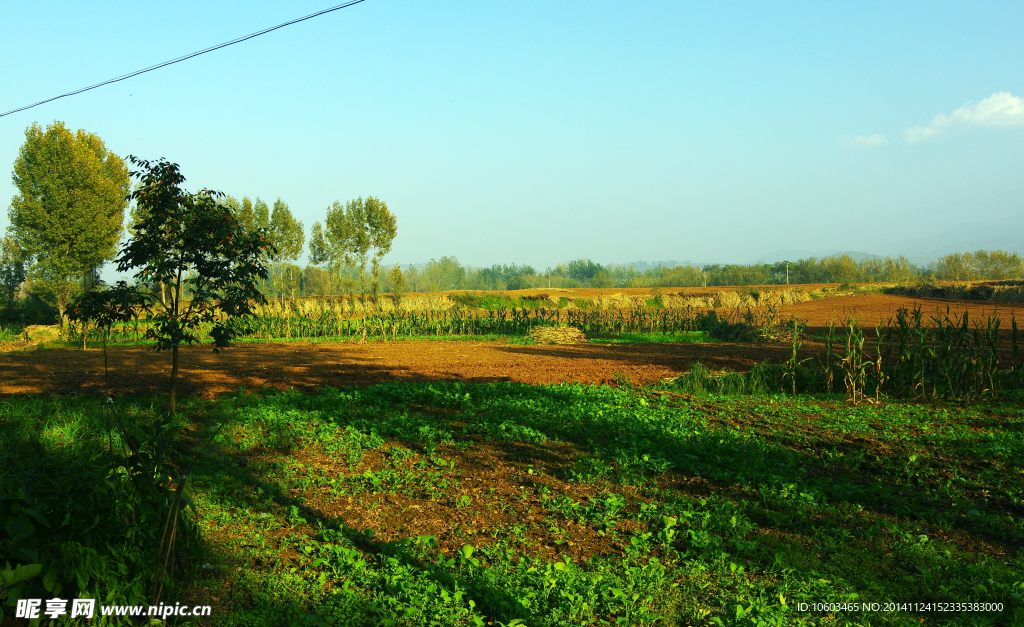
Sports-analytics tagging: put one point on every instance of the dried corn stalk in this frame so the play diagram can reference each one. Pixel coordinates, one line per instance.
(557, 335)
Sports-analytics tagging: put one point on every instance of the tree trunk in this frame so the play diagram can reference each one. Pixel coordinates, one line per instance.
(171, 403)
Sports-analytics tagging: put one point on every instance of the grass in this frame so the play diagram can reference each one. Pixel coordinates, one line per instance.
(506, 504)
(502, 300)
(655, 338)
(11, 332)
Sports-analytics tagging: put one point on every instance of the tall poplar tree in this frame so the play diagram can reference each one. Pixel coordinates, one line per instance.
(69, 211)
(354, 233)
(286, 234)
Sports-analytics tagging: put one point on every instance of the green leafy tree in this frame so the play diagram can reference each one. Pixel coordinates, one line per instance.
(12, 270)
(397, 285)
(681, 276)
(184, 239)
(288, 236)
(69, 212)
(382, 228)
(997, 265)
(254, 215)
(353, 234)
(316, 281)
(444, 274)
(956, 267)
(251, 215)
(319, 253)
(583, 269)
(414, 279)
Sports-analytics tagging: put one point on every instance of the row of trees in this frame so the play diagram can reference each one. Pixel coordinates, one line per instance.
(69, 216)
(351, 235)
(981, 264)
(447, 273)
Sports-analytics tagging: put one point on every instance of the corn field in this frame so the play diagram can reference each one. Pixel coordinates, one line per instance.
(939, 357)
(947, 356)
(453, 322)
(310, 321)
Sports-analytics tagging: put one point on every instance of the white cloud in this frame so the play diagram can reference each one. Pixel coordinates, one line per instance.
(864, 142)
(1001, 109)
(917, 134)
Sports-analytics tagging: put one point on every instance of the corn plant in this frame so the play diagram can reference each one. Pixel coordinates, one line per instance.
(880, 374)
(951, 358)
(794, 363)
(853, 365)
(828, 368)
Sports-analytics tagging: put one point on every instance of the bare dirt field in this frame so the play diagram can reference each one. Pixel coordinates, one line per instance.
(305, 366)
(590, 292)
(871, 309)
(311, 365)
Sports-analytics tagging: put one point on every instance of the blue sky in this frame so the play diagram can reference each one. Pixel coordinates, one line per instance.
(539, 132)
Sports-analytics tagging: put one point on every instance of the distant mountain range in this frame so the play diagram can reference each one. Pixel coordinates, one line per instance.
(1006, 235)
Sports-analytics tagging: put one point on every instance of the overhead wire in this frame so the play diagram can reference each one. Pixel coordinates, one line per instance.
(185, 57)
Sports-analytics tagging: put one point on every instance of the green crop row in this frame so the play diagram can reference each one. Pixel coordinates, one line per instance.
(327, 323)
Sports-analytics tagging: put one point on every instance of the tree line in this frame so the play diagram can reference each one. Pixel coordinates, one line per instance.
(68, 219)
(69, 216)
(446, 273)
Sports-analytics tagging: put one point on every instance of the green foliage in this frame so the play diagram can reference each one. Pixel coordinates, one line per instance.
(253, 216)
(352, 234)
(397, 286)
(583, 269)
(287, 236)
(190, 240)
(609, 506)
(692, 508)
(444, 274)
(69, 210)
(763, 378)
(12, 271)
(944, 357)
(832, 269)
(105, 308)
(981, 264)
(286, 233)
(502, 277)
(89, 525)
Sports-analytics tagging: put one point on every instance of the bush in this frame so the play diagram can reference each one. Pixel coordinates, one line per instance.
(763, 378)
(94, 527)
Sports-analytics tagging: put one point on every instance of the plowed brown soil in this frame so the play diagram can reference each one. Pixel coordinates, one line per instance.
(872, 309)
(310, 366)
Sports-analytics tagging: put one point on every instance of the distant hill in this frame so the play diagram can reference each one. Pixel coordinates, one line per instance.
(1007, 234)
(794, 255)
(649, 265)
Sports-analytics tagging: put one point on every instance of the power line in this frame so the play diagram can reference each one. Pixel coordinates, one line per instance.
(187, 56)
